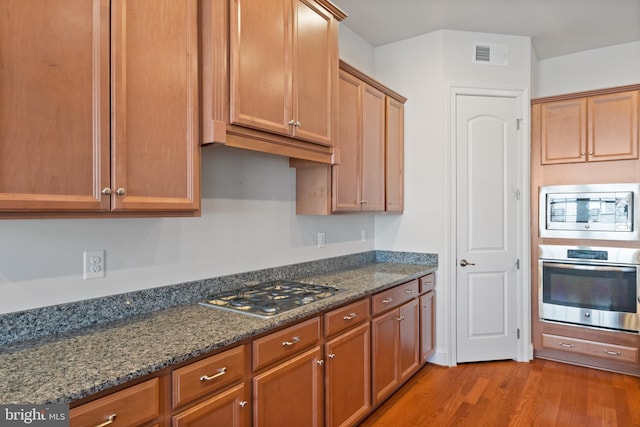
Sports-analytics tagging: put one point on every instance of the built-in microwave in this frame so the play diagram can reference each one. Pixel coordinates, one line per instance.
(591, 211)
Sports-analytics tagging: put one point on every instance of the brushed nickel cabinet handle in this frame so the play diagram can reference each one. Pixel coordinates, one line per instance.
(331, 356)
(120, 192)
(565, 345)
(110, 420)
(293, 341)
(350, 316)
(408, 291)
(320, 362)
(220, 373)
(106, 191)
(613, 353)
(243, 403)
(400, 319)
(292, 122)
(387, 300)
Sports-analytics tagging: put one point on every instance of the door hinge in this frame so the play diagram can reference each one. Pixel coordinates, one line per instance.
(516, 193)
(518, 333)
(518, 121)
(518, 264)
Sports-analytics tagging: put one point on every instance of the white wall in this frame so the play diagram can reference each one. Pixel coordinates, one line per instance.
(592, 69)
(248, 222)
(356, 51)
(423, 69)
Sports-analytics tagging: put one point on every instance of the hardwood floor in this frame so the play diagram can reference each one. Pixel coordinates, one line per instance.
(507, 393)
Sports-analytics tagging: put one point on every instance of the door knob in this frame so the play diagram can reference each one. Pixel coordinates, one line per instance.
(464, 263)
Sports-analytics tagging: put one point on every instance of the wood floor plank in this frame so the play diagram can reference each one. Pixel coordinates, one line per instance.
(511, 394)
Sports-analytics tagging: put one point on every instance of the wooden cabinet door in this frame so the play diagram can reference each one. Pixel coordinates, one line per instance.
(348, 377)
(563, 131)
(394, 171)
(346, 174)
(261, 63)
(155, 148)
(315, 61)
(384, 355)
(290, 394)
(613, 126)
(227, 409)
(373, 123)
(409, 342)
(427, 325)
(54, 105)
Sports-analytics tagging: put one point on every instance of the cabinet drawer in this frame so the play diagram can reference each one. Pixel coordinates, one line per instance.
(208, 375)
(591, 348)
(394, 297)
(129, 407)
(345, 317)
(286, 342)
(427, 283)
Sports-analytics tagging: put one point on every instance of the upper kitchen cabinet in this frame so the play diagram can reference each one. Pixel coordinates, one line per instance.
(368, 176)
(99, 107)
(589, 128)
(269, 75)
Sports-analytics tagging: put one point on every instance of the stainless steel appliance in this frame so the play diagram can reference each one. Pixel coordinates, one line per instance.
(593, 286)
(268, 299)
(594, 211)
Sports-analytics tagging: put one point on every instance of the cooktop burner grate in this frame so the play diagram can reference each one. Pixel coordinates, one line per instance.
(270, 298)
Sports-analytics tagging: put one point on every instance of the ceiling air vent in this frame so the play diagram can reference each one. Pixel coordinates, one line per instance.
(485, 53)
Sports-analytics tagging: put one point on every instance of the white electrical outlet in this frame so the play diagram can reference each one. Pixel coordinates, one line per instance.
(363, 235)
(93, 264)
(321, 240)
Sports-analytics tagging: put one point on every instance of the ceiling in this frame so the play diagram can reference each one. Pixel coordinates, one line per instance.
(556, 27)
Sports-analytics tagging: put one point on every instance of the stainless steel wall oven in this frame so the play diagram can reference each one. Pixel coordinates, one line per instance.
(592, 286)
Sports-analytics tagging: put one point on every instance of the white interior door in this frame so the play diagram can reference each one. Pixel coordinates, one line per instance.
(486, 227)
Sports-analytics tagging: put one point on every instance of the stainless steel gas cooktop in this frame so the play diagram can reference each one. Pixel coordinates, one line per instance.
(268, 299)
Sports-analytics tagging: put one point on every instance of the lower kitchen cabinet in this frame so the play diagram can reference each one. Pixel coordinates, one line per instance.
(348, 382)
(394, 348)
(134, 406)
(427, 325)
(227, 409)
(290, 394)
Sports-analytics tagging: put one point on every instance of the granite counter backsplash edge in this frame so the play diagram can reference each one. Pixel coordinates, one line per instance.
(60, 319)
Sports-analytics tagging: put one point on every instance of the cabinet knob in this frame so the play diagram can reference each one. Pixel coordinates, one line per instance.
(387, 300)
(320, 362)
(243, 403)
(363, 202)
(332, 355)
(120, 192)
(106, 191)
(292, 122)
(582, 153)
(298, 124)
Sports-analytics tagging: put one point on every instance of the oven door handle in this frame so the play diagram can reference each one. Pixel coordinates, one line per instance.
(590, 267)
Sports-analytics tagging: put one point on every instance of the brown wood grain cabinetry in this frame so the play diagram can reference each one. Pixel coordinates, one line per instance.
(395, 340)
(221, 380)
(347, 364)
(593, 128)
(270, 75)
(427, 316)
(229, 408)
(208, 375)
(394, 156)
(571, 136)
(88, 122)
(133, 406)
(290, 393)
(369, 143)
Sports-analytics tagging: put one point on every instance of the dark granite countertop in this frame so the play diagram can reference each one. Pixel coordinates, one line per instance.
(76, 365)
